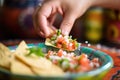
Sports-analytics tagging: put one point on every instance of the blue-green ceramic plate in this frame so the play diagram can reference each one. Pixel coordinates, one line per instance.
(96, 74)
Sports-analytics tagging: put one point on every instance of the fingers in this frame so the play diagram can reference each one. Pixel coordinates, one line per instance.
(43, 19)
(67, 23)
(43, 23)
(46, 15)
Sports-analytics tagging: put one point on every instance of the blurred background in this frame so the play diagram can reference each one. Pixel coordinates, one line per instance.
(97, 25)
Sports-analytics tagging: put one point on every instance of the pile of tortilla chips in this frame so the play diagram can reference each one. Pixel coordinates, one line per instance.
(18, 63)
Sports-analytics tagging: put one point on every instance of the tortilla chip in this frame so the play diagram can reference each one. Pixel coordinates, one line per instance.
(36, 62)
(5, 62)
(51, 71)
(5, 56)
(22, 48)
(18, 67)
(47, 42)
(19, 63)
(5, 49)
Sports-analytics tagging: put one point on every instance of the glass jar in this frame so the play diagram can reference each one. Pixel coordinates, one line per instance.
(93, 25)
(112, 30)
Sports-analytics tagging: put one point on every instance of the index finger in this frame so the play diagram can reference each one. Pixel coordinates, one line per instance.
(43, 15)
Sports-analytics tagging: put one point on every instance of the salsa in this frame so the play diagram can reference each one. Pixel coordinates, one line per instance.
(70, 62)
(62, 42)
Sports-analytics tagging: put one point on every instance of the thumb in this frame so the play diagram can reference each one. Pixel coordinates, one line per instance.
(67, 23)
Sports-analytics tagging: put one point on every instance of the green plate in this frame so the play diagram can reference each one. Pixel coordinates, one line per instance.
(97, 74)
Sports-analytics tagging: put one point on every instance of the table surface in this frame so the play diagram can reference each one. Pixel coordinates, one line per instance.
(113, 74)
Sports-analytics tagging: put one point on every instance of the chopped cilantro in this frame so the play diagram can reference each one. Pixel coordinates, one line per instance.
(37, 51)
(58, 32)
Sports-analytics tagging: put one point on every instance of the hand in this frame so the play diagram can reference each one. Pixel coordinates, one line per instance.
(44, 16)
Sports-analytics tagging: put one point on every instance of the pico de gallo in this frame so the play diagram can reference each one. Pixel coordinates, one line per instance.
(61, 41)
(70, 62)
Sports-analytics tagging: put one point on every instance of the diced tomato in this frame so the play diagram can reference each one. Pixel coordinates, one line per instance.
(96, 60)
(60, 53)
(74, 45)
(85, 64)
(60, 39)
(73, 61)
(55, 62)
(49, 53)
(83, 56)
(84, 61)
(64, 42)
(70, 46)
(58, 45)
